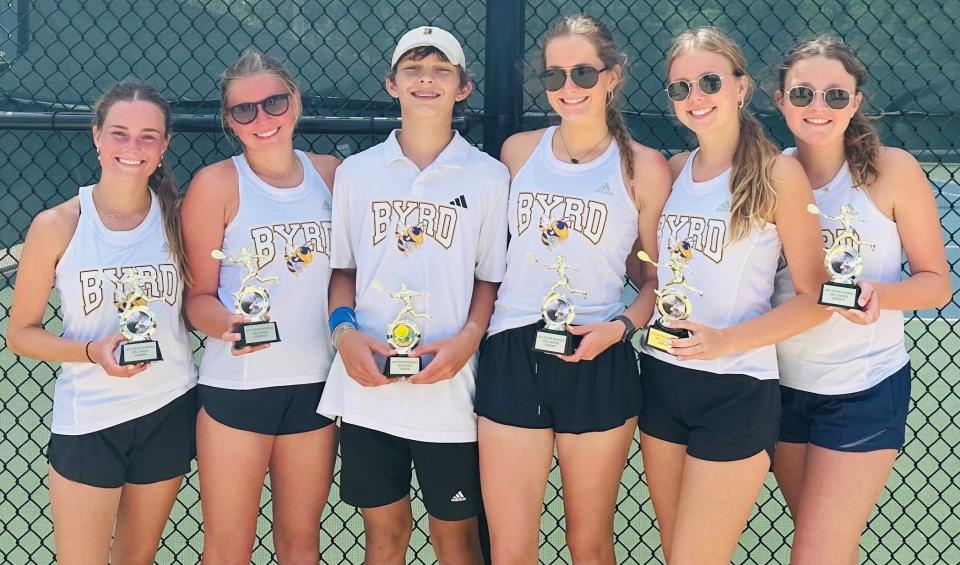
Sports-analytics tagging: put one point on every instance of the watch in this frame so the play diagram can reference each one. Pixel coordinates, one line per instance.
(630, 328)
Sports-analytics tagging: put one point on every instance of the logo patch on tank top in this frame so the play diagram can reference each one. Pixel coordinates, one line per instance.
(411, 222)
(558, 215)
(708, 235)
(160, 282)
(300, 242)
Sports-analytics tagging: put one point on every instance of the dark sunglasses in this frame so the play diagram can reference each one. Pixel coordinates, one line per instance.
(583, 76)
(245, 112)
(709, 83)
(803, 96)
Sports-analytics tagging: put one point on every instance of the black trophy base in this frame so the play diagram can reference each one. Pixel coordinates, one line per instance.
(840, 295)
(659, 337)
(256, 333)
(402, 366)
(133, 352)
(557, 342)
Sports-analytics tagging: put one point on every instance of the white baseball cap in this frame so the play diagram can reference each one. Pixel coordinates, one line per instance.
(430, 36)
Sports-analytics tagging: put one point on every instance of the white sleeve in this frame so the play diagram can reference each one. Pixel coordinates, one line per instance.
(492, 246)
(341, 248)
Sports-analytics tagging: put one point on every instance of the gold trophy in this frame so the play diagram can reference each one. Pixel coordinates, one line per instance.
(251, 300)
(137, 322)
(403, 334)
(843, 261)
(672, 302)
(557, 311)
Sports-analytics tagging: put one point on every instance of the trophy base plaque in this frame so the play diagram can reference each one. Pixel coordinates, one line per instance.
(402, 366)
(659, 337)
(256, 333)
(557, 342)
(840, 295)
(134, 352)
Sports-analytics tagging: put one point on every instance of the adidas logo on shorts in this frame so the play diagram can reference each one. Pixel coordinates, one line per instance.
(458, 497)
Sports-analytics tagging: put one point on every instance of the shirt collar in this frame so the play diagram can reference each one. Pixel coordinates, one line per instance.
(454, 155)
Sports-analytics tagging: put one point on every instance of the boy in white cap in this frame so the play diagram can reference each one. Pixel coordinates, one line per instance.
(418, 250)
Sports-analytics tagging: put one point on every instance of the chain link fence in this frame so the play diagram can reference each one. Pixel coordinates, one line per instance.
(56, 57)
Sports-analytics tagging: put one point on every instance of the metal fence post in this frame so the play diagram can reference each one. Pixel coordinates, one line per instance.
(503, 92)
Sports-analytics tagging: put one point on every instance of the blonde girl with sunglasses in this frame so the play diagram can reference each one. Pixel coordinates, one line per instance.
(269, 208)
(711, 399)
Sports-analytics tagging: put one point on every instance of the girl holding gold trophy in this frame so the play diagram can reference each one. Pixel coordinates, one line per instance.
(846, 386)
(122, 434)
(711, 400)
(558, 369)
(256, 228)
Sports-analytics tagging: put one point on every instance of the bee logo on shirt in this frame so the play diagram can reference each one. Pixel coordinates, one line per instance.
(554, 232)
(298, 258)
(410, 238)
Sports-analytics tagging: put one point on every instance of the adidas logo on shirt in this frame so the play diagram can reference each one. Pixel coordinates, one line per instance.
(460, 201)
(604, 189)
(724, 206)
(459, 497)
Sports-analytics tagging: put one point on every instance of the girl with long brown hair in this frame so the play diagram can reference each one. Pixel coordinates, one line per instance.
(582, 194)
(846, 386)
(122, 434)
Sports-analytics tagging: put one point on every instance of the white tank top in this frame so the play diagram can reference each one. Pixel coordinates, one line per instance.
(292, 227)
(85, 398)
(840, 357)
(582, 212)
(736, 278)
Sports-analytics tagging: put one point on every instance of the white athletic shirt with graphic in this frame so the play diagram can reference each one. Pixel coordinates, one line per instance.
(290, 228)
(85, 398)
(838, 356)
(435, 231)
(736, 278)
(582, 212)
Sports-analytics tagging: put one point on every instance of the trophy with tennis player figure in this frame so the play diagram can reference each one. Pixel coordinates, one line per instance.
(557, 310)
(403, 334)
(842, 260)
(138, 323)
(672, 302)
(251, 300)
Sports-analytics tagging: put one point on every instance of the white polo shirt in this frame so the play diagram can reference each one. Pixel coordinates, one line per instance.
(435, 231)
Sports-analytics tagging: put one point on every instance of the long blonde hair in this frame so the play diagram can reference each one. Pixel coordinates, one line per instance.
(594, 31)
(753, 196)
(161, 181)
(861, 142)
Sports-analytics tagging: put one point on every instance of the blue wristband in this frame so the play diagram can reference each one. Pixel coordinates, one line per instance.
(341, 315)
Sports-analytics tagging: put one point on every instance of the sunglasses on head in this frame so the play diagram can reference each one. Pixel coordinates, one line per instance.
(803, 96)
(583, 76)
(245, 112)
(709, 83)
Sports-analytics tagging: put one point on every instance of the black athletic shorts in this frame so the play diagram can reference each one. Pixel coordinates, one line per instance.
(719, 417)
(149, 449)
(273, 411)
(517, 386)
(375, 471)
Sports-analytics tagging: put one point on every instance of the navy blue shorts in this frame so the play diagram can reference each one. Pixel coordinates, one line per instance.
(149, 449)
(273, 411)
(867, 420)
(519, 387)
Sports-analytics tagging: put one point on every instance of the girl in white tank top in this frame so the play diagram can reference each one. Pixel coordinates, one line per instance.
(846, 382)
(124, 225)
(258, 403)
(586, 193)
(711, 402)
